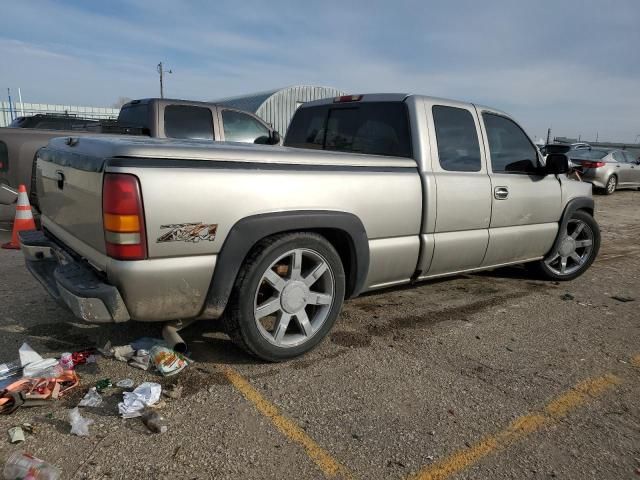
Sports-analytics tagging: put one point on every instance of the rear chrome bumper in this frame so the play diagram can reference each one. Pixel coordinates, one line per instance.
(69, 281)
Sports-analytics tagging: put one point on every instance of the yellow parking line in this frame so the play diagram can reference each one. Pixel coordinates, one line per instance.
(518, 429)
(323, 459)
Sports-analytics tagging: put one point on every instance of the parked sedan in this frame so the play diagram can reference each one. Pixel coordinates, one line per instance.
(607, 170)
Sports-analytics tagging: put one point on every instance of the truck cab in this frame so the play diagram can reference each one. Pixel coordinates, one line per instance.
(189, 120)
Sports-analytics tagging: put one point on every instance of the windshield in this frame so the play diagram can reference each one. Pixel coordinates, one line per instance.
(589, 154)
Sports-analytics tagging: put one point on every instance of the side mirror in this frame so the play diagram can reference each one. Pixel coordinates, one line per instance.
(556, 163)
(275, 138)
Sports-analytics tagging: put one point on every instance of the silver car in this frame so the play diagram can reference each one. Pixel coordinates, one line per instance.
(607, 170)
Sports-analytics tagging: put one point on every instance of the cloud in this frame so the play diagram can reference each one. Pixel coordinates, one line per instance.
(570, 65)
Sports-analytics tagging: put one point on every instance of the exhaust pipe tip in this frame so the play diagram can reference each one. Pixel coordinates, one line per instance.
(173, 338)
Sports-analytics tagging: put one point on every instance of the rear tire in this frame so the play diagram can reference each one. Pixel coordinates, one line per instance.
(575, 253)
(287, 296)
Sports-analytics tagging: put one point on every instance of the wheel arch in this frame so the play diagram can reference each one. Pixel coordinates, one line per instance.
(585, 204)
(343, 230)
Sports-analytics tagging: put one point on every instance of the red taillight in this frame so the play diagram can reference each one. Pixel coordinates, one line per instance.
(592, 164)
(123, 217)
(347, 98)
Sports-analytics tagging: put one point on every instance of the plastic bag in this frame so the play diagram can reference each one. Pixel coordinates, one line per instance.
(79, 424)
(91, 399)
(167, 361)
(133, 403)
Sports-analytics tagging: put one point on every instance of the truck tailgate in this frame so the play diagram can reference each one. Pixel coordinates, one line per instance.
(69, 188)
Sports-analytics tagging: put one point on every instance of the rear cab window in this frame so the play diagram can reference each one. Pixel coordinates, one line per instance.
(374, 128)
(457, 139)
(188, 122)
(134, 115)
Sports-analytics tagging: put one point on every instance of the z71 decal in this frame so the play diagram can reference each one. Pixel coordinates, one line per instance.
(188, 232)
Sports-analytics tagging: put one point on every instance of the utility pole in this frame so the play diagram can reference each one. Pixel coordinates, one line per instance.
(596, 137)
(162, 71)
(548, 135)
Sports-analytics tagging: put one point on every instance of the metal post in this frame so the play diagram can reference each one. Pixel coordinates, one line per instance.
(21, 104)
(161, 86)
(10, 105)
(548, 135)
(162, 71)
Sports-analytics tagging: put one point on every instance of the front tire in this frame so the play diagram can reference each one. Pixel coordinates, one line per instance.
(288, 294)
(575, 252)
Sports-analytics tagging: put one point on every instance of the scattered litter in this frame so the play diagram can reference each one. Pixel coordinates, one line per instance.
(622, 298)
(32, 392)
(567, 296)
(16, 435)
(106, 351)
(83, 356)
(145, 395)
(147, 343)
(125, 383)
(91, 399)
(154, 421)
(46, 368)
(103, 384)
(21, 465)
(173, 391)
(141, 359)
(66, 361)
(79, 424)
(10, 369)
(123, 353)
(167, 361)
(28, 355)
(27, 427)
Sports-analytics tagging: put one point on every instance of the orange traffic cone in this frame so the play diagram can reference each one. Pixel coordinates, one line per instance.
(24, 218)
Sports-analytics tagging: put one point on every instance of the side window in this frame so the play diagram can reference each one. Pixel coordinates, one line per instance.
(629, 157)
(510, 148)
(458, 147)
(619, 157)
(4, 157)
(240, 127)
(184, 121)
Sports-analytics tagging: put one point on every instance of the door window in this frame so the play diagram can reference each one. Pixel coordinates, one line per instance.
(618, 157)
(240, 127)
(629, 157)
(457, 138)
(184, 121)
(510, 148)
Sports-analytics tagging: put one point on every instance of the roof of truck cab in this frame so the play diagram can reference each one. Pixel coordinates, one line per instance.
(399, 97)
(163, 148)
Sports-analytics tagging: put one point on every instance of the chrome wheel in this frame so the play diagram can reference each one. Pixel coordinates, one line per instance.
(574, 250)
(294, 298)
(611, 184)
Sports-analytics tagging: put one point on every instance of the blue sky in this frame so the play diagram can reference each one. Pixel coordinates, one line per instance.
(573, 65)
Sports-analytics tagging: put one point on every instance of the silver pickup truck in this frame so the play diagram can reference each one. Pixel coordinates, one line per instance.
(368, 192)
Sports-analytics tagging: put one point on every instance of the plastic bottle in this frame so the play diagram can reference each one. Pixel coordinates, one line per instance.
(21, 465)
(9, 369)
(154, 421)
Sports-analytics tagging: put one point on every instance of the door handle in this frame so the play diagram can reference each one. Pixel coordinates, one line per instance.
(501, 193)
(60, 179)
